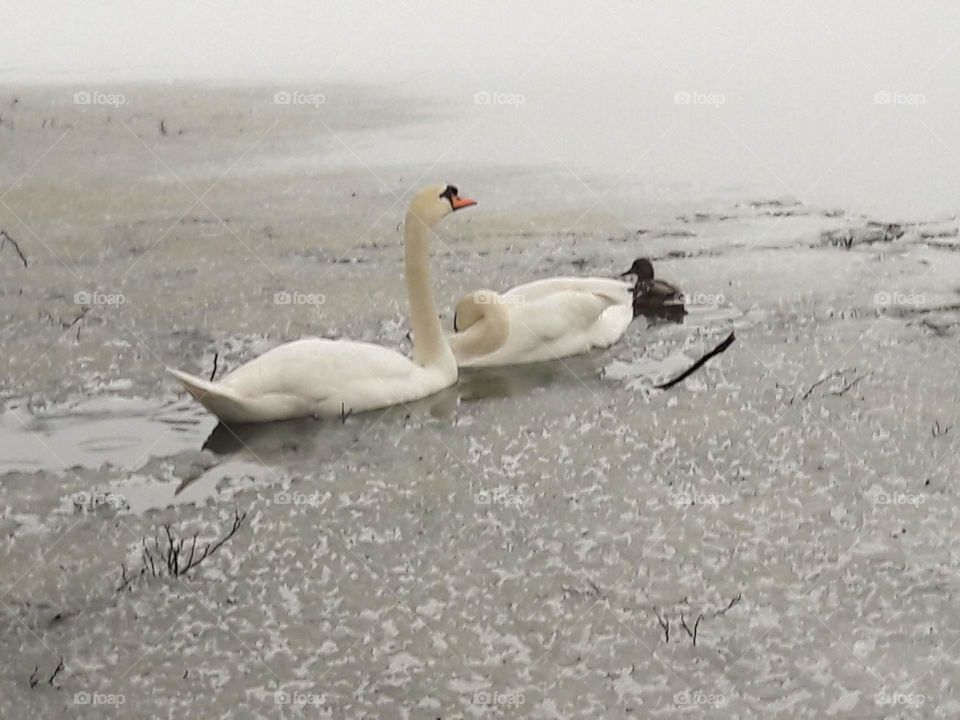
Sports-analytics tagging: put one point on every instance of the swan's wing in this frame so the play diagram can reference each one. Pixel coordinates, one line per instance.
(559, 313)
(317, 368)
(618, 291)
(558, 317)
(560, 324)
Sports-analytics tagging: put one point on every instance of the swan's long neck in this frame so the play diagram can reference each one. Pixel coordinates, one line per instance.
(429, 344)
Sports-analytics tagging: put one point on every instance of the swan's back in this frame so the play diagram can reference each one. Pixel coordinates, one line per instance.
(559, 324)
(311, 365)
(618, 291)
(335, 375)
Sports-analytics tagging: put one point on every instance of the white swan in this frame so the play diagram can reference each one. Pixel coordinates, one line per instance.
(541, 320)
(326, 378)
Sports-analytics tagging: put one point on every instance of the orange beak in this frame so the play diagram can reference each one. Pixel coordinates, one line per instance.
(459, 202)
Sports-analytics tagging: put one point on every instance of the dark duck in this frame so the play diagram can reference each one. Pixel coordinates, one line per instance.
(654, 298)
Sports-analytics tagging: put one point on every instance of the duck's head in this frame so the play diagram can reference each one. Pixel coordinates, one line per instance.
(434, 203)
(642, 268)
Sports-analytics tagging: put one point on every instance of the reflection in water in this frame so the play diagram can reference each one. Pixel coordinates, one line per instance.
(519, 380)
(122, 432)
(306, 436)
(264, 455)
(157, 440)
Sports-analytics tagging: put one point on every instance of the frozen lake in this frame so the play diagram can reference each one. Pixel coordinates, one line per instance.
(771, 537)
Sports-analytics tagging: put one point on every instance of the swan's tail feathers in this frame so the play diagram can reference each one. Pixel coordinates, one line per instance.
(223, 402)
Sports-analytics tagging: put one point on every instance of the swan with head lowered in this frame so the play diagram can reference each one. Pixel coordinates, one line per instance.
(546, 319)
(327, 378)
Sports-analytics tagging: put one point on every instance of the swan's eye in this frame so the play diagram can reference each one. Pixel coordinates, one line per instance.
(449, 193)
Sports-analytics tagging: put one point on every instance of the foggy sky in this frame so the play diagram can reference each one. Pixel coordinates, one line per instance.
(784, 96)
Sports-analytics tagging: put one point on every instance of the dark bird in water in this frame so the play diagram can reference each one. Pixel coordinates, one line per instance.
(652, 297)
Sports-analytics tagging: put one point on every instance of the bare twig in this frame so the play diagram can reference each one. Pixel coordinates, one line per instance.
(849, 386)
(56, 671)
(125, 580)
(727, 342)
(213, 374)
(83, 313)
(344, 413)
(937, 430)
(4, 238)
(193, 548)
(818, 383)
(35, 676)
(171, 556)
(665, 624)
(148, 558)
(211, 549)
(696, 626)
(729, 607)
(594, 589)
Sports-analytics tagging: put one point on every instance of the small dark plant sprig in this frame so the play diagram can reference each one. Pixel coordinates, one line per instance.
(692, 631)
(5, 238)
(170, 556)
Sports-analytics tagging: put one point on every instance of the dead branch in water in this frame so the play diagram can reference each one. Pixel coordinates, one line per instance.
(696, 625)
(213, 374)
(76, 321)
(665, 624)
(170, 556)
(124, 580)
(729, 607)
(840, 392)
(693, 632)
(5, 238)
(44, 314)
(56, 671)
(727, 342)
(849, 386)
(937, 430)
(821, 381)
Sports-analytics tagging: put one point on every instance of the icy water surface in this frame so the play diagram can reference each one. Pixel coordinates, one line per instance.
(773, 537)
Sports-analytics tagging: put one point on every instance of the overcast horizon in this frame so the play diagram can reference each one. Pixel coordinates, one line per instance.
(831, 104)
